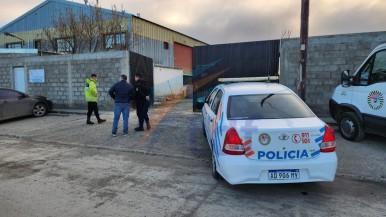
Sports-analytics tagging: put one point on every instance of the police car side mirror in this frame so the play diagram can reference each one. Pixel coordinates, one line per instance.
(345, 78)
(200, 103)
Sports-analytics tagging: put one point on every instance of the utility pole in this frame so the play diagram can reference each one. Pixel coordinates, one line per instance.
(305, 12)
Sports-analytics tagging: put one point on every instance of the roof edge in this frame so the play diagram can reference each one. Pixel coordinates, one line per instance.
(44, 3)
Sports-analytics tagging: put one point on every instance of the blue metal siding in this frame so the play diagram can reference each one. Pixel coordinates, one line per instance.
(42, 15)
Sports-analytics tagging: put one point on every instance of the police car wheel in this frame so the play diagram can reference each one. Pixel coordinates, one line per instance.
(215, 174)
(350, 127)
(39, 110)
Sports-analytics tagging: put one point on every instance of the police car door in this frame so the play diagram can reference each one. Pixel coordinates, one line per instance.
(212, 114)
(369, 94)
(206, 113)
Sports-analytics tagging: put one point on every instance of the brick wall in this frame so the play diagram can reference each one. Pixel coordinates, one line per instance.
(65, 76)
(327, 57)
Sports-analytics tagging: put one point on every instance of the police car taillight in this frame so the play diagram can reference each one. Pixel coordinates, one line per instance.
(328, 143)
(232, 143)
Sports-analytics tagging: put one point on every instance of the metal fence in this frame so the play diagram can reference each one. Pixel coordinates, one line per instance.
(144, 66)
(248, 59)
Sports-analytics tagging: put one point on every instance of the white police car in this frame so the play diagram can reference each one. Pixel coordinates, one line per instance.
(264, 133)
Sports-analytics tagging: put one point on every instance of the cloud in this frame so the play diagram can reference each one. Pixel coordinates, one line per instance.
(228, 21)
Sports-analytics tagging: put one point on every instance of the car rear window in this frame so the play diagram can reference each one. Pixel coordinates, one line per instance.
(267, 106)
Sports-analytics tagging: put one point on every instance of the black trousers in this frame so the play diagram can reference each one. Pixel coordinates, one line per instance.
(92, 107)
(142, 109)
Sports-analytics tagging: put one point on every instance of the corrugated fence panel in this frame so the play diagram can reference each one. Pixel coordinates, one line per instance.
(144, 66)
(248, 59)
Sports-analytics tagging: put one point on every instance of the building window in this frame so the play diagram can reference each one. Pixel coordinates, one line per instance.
(15, 45)
(115, 41)
(166, 45)
(64, 45)
(38, 44)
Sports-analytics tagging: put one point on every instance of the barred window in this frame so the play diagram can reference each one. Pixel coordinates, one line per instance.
(115, 41)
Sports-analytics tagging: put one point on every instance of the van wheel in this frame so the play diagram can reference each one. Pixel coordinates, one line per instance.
(215, 174)
(350, 127)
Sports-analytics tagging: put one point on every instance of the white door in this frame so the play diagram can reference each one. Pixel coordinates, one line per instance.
(19, 76)
(368, 94)
(206, 112)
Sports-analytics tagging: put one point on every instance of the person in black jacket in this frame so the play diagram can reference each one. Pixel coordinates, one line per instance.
(121, 92)
(143, 102)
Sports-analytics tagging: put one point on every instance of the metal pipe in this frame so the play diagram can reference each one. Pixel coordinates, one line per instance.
(14, 36)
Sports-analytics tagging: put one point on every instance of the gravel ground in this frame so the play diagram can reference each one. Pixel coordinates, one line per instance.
(59, 166)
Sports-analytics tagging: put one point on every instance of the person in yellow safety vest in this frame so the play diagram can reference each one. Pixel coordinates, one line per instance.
(91, 96)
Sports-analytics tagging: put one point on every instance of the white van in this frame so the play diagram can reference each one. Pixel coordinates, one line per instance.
(358, 104)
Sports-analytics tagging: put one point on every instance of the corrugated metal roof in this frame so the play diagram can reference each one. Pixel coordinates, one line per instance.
(151, 29)
(42, 15)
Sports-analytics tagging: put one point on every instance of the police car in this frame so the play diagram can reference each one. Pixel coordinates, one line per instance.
(264, 133)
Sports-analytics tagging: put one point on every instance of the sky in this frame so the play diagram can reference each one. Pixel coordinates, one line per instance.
(230, 21)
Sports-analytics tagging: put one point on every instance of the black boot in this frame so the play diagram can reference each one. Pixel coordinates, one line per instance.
(88, 120)
(101, 121)
(139, 129)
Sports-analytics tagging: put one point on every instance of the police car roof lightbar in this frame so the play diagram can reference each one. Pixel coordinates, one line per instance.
(244, 79)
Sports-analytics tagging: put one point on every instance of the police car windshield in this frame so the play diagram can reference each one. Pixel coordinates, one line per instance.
(267, 106)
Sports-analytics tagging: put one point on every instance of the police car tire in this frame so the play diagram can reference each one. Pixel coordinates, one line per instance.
(215, 174)
(359, 132)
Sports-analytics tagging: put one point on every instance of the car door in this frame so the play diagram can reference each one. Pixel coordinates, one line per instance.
(212, 114)
(14, 104)
(206, 114)
(370, 91)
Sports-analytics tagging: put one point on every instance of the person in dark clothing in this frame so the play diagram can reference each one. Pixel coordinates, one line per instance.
(142, 102)
(121, 92)
(91, 96)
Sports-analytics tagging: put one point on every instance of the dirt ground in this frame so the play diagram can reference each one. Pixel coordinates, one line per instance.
(59, 166)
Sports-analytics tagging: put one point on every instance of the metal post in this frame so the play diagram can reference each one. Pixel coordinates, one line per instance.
(303, 48)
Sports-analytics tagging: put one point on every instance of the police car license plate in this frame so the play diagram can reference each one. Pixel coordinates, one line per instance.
(283, 174)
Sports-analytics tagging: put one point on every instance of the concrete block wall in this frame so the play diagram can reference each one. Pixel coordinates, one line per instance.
(327, 57)
(65, 76)
(7, 62)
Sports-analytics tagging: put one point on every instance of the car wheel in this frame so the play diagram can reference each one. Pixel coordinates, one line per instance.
(39, 110)
(215, 174)
(350, 127)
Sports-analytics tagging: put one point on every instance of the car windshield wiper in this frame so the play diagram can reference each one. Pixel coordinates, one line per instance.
(263, 100)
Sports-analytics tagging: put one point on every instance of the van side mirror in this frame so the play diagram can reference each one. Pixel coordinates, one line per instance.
(345, 78)
(200, 103)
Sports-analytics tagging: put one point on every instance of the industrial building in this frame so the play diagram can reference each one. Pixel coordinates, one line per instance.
(167, 48)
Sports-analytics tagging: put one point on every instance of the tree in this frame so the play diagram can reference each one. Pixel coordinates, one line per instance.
(90, 30)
